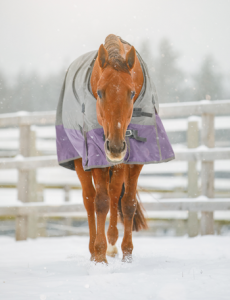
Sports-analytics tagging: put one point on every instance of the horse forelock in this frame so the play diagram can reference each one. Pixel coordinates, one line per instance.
(115, 60)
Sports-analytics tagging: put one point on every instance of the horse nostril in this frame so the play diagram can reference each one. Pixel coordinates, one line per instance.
(124, 144)
(107, 144)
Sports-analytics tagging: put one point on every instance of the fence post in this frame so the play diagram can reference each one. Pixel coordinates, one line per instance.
(27, 186)
(193, 142)
(33, 188)
(68, 220)
(23, 183)
(207, 172)
(66, 191)
(21, 228)
(24, 150)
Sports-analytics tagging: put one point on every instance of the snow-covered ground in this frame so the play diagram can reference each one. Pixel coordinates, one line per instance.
(163, 268)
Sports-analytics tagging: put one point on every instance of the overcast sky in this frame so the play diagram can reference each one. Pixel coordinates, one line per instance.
(48, 34)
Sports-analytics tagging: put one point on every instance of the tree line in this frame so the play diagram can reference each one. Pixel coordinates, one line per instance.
(174, 84)
(31, 92)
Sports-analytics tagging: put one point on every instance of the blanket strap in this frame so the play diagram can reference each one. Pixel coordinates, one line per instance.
(137, 112)
(133, 134)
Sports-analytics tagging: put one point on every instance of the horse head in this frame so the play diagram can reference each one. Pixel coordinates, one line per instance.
(115, 97)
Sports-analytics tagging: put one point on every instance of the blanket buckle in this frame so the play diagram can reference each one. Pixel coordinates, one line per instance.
(128, 132)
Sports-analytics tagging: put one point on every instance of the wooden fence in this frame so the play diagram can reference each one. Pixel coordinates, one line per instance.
(26, 164)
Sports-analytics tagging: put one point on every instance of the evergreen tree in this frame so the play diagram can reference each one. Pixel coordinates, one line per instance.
(4, 93)
(147, 54)
(208, 81)
(31, 92)
(167, 76)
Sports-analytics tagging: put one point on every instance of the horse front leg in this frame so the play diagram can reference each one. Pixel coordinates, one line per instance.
(129, 205)
(101, 181)
(115, 189)
(88, 193)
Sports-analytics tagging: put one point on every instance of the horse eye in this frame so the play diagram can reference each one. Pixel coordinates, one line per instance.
(99, 94)
(132, 94)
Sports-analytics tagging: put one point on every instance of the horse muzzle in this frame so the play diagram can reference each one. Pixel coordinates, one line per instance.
(115, 152)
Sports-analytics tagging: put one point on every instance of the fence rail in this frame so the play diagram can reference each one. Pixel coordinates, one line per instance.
(28, 118)
(30, 163)
(194, 205)
(26, 164)
(218, 107)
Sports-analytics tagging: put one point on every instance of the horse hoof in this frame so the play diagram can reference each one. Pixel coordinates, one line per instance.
(99, 259)
(127, 258)
(92, 258)
(112, 250)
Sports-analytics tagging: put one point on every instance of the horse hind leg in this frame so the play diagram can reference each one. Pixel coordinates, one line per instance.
(88, 193)
(115, 190)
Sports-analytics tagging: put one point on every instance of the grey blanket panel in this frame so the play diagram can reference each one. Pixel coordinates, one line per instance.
(76, 91)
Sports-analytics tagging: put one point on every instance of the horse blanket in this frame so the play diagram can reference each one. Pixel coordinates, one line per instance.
(79, 135)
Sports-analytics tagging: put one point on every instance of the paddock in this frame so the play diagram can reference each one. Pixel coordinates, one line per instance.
(162, 267)
(199, 155)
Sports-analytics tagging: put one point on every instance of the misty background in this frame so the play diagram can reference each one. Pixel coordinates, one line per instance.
(186, 46)
(184, 43)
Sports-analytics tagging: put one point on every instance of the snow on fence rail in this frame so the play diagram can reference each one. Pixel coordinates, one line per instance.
(217, 107)
(183, 204)
(207, 154)
(30, 163)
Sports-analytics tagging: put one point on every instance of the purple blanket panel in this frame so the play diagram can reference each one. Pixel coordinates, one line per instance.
(71, 145)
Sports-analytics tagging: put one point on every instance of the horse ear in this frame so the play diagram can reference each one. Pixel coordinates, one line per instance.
(130, 58)
(102, 56)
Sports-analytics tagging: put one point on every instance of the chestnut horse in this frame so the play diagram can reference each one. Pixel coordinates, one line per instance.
(116, 82)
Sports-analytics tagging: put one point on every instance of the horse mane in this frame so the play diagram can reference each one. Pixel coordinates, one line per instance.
(116, 61)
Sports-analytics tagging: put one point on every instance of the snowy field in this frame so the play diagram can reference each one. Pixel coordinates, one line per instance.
(163, 268)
